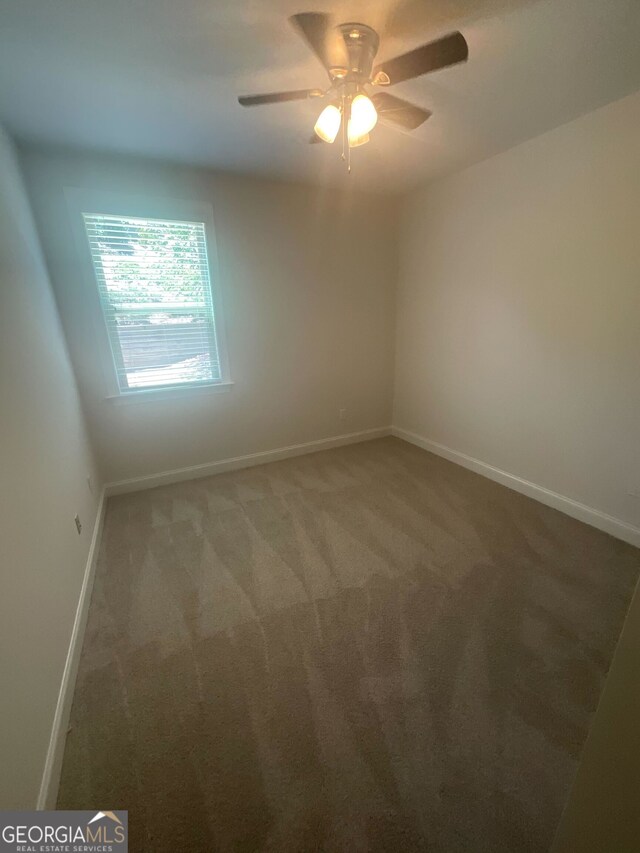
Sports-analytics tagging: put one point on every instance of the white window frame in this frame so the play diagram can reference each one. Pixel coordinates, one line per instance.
(80, 202)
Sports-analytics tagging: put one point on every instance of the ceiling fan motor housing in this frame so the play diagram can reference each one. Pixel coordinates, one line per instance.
(362, 44)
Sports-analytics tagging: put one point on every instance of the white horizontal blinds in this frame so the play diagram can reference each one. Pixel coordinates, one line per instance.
(153, 281)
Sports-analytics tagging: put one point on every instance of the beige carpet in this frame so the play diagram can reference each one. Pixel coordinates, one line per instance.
(365, 649)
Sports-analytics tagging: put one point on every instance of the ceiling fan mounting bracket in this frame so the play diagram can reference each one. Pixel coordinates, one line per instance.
(362, 44)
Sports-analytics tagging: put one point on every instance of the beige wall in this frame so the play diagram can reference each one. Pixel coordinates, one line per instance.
(518, 343)
(45, 459)
(518, 314)
(307, 279)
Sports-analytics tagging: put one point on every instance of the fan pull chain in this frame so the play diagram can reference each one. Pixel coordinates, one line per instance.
(346, 115)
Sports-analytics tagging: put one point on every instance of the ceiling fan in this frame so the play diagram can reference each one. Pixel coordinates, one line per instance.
(347, 52)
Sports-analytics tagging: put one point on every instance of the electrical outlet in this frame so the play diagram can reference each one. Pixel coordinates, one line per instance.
(78, 524)
(342, 414)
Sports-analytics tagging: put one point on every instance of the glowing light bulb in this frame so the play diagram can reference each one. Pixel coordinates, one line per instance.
(363, 116)
(328, 123)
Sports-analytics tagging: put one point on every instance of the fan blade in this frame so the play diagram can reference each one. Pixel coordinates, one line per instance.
(324, 40)
(398, 112)
(278, 97)
(315, 138)
(430, 57)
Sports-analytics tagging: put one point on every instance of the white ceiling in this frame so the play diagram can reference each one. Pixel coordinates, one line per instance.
(160, 78)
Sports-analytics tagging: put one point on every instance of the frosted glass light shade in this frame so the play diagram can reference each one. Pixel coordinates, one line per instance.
(363, 116)
(354, 140)
(328, 123)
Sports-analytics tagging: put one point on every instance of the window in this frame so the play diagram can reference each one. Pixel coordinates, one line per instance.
(156, 298)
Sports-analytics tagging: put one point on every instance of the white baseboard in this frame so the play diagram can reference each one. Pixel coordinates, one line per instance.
(55, 753)
(607, 523)
(137, 484)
